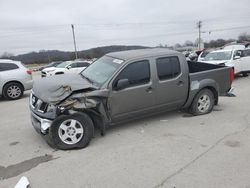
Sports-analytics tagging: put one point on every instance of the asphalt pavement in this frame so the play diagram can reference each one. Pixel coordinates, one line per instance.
(173, 149)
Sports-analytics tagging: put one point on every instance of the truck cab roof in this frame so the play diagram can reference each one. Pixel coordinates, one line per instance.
(149, 52)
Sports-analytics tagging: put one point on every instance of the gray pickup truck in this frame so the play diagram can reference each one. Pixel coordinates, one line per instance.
(123, 86)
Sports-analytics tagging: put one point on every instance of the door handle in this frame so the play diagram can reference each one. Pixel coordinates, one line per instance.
(180, 83)
(149, 89)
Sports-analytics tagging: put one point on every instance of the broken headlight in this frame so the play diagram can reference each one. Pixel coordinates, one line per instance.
(51, 108)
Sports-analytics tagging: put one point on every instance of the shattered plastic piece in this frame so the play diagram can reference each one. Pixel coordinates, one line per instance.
(22, 183)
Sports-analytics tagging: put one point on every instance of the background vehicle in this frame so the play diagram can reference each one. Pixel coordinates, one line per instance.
(52, 64)
(123, 86)
(66, 67)
(202, 55)
(14, 79)
(232, 58)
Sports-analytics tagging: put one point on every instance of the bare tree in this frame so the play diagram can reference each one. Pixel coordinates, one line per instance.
(6, 55)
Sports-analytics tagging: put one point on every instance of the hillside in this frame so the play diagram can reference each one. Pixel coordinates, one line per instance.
(42, 57)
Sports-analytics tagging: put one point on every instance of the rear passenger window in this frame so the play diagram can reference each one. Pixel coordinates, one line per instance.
(73, 65)
(7, 66)
(168, 67)
(137, 73)
(82, 64)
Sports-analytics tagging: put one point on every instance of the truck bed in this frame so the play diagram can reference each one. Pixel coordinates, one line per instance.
(204, 72)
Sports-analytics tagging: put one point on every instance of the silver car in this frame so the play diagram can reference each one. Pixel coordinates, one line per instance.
(15, 78)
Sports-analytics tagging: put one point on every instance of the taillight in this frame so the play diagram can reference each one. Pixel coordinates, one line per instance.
(231, 75)
(29, 72)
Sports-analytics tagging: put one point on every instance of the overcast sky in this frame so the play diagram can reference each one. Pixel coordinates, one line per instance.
(33, 25)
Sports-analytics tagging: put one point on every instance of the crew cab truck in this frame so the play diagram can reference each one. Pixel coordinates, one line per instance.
(123, 86)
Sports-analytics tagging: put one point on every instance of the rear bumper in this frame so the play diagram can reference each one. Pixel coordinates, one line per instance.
(28, 85)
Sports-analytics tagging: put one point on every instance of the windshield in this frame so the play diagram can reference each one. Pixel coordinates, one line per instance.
(63, 64)
(101, 70)
(218, 56)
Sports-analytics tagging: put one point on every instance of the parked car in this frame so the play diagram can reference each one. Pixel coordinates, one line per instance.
(15, 78)
(52, 64)
(66, 67)
(123, 86)
(232, 58)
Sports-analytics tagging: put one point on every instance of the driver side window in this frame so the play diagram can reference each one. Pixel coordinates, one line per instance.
(73, 65)
(238, 53)
(137, 73)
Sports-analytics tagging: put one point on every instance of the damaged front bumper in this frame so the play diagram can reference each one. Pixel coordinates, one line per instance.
(41, 125)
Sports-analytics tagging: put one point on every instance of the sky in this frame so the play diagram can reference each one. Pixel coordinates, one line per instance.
(33, 25)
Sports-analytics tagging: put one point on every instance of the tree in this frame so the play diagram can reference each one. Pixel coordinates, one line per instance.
(177, 45)
(6, 55)
(160, 46)
(188, 43)
(243, 37)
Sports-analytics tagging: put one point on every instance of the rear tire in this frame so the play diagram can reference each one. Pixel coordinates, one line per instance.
(13, 91)
(71, 131)
(245, 74)
(203, 102)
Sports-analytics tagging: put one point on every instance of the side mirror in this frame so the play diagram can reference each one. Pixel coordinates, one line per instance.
(236, 57)
(121, 84)
(69, 67)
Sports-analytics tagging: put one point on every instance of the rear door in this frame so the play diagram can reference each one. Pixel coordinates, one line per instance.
(73, 67)
(135, 99)
(7, 73)
(172, 82)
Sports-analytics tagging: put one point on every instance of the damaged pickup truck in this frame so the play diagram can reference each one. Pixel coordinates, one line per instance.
(123, 86)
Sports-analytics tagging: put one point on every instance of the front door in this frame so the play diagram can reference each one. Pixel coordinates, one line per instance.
(137, 97)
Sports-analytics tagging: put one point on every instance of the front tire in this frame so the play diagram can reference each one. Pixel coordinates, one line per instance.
(71, 131)
(203, 102)
(13, 91)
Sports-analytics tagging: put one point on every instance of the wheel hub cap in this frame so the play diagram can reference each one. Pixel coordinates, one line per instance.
(70, 131)
(204, 103)
(14, 91)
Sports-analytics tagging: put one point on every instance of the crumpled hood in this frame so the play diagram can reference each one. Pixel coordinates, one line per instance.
(56, 88)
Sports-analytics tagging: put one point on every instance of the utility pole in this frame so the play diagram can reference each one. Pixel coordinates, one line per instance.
(199, 24)
(73, 31)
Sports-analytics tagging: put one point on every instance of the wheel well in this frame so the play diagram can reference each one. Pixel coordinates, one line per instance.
(214, 92)
(97, 120)
(14, 82)
(59, 73)
(94, 117)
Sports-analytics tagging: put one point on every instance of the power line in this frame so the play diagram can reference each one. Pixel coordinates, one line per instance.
(226, 29)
